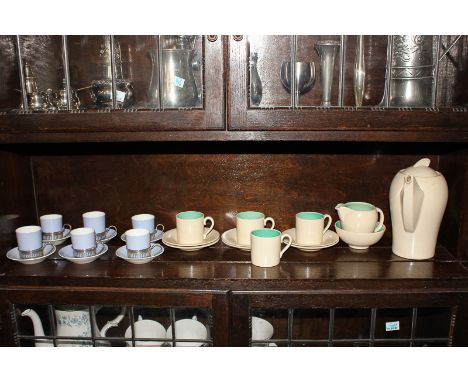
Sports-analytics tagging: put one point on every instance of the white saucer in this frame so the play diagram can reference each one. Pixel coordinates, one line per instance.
(66, 235)
(230, 238)
(330, 238)
(67, 253)
(13, 254)
(170, 239)
(155, 252)
(158, 234)
(262, 330)
(110, 234)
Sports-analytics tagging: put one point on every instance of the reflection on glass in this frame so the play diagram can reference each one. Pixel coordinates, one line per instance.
(179, 61)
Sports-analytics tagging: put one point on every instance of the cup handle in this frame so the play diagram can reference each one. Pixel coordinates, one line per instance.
(288, 244)
(159, 225)
(381, 219)
(65, 226)
(208, 218)
(271, 220)
(111, 226)
(326, 216)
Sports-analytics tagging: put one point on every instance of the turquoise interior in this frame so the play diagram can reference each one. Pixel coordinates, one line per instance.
(250, 215)
(265, 232)
(360, 206)
(189, 215)
(309, 215)
(338, 225)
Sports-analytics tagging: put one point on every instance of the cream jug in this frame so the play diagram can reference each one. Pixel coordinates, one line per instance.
(418, 197)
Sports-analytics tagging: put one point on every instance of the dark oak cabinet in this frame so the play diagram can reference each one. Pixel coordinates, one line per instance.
(224, 155)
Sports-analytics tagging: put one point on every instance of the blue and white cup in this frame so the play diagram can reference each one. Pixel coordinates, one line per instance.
(146, 221)
(52, 226)
(97, 221)
(138, 243)
(83, 242)
(29, 240)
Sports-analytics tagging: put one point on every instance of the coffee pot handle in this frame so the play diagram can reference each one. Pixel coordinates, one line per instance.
(112, 324)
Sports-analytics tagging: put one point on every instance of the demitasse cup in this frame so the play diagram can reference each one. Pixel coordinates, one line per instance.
(52, 226)
(188, 329)
(83, 242)
(29, 240)
(146, 221)
(360, 217)
(249, 221)
(138, 243)
(97, 221)
(146, 329)
(310, 227)
(191, 227)
(266, 246)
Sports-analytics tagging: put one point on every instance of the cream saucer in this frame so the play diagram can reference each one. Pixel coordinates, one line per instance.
(110, 234)
(156, 251)
(357, 240)
(230, 238)
(63, 239)
(13, 254)
(330, 238)
(170, 239)
(154, 237)
(67, 253)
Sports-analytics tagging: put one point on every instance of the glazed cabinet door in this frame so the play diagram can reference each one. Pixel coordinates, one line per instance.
(113, 318)
(346, 82)
(333, 319)
(145, 82)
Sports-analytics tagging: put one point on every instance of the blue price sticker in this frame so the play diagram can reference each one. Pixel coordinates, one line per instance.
(392, 326)
(179, 82)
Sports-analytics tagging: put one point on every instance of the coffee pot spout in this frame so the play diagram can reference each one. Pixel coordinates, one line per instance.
(115, 322)
(37, 326)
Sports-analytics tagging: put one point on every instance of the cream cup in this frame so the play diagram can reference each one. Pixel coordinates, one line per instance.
(310, 227)
(191, 227)
(83, 242)
(146, 221)
(29, 240)
(248, 221)
(138, 243)
(266, 247)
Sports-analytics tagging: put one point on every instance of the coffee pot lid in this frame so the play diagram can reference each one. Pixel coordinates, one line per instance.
(421, 169)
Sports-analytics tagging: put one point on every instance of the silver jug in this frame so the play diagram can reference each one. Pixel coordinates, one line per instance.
(327, 51)
(411, 69)
(179, 88)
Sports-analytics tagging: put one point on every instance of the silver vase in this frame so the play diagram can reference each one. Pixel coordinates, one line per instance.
(256, 89)
(359, 72)
(327, 51)
(411, 69)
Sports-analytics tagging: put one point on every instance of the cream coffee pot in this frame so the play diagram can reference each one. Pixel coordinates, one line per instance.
(72, 323)
(418, 197)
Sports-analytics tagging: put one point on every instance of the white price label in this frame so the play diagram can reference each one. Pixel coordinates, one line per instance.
(120, 96)
(179, 82)
(392, 326)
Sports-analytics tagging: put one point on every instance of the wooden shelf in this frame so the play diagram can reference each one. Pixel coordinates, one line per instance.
(225, 268)
(393, 125)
